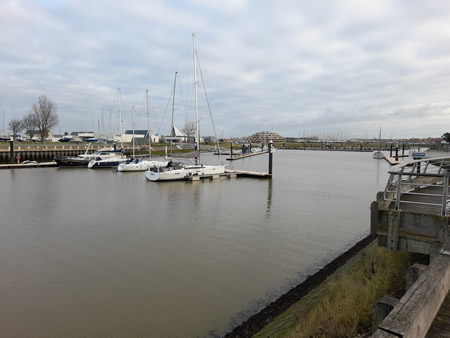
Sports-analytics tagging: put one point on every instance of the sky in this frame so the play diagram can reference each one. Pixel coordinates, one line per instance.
(335, 69)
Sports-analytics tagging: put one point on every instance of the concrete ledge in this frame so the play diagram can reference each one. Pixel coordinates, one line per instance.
(416, 310)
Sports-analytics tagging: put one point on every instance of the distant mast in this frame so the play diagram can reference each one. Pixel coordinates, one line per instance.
(132, 114)
(197, 132)
(121, 121)
(172, 131)
(148, 128)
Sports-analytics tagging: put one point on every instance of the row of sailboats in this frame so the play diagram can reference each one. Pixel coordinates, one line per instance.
(171, 173)
(158, 170)
(138, 164)
(111, 162)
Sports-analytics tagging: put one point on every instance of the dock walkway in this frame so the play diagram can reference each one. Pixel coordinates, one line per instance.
(239, 157)
(412, 214)
(29, 165)
(231, 173)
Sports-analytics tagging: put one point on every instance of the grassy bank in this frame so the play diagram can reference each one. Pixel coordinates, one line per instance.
(342, 305)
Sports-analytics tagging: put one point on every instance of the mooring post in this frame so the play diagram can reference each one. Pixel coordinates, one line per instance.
(390, 153)
(11, 150)
(403, 149)
(231, 149)
(396, 151)
(270, 156)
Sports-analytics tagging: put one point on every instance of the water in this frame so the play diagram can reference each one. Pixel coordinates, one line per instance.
(98, 253)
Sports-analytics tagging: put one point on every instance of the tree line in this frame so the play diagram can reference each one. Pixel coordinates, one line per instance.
(41, 119)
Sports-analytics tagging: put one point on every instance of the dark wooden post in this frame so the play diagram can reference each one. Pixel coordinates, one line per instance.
(270, 156)
(396, 151)
(231, 149)
(390, 153)
(403, 149)
(11, 150)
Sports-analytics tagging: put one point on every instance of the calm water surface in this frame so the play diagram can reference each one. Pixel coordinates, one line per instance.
(97, 253)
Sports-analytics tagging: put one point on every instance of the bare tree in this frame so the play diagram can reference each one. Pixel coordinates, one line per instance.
(45, 115)
(189, 130)
(15, 125)
(29, 124)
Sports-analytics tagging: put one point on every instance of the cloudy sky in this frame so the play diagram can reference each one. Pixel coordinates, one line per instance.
(332, 68)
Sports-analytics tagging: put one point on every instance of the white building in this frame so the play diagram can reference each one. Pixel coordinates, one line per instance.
(140, 135)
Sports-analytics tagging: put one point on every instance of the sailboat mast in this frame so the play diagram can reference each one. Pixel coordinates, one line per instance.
(172, 131)
(197, 145)
(121, 121)
(148, 128)
(379, 140)
(132, 113)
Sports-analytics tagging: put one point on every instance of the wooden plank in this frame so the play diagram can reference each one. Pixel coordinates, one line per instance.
(415, 312)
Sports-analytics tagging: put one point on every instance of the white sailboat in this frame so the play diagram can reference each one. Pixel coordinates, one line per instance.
(172, 174)
(137, 164)
(378, 154)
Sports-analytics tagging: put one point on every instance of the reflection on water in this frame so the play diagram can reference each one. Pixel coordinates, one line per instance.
(100, 253)
(269, 197)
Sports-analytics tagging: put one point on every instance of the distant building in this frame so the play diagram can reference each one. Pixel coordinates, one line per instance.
(83, 134)
(140, 137)
(266, 136)
(37, 135)
(176, 135)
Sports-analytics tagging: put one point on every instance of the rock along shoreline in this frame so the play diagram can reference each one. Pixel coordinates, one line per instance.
(258, 321)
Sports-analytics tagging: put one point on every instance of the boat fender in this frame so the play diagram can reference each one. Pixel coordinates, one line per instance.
(18, 159)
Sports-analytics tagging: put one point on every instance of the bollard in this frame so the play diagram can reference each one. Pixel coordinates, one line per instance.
(270, 156)
(396, 151)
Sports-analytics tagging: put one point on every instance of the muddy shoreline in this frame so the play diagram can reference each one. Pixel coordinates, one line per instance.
(256, 322)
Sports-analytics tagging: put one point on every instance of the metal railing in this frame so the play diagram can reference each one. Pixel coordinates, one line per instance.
(422, 182)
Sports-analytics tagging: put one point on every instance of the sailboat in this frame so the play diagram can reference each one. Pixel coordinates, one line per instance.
(137, 164)
(111, 161)
(172, 174)
(378, 154)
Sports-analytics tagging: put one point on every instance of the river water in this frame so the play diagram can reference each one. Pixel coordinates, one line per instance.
(96, 253)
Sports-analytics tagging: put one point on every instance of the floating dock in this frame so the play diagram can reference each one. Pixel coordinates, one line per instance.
(231, 173)
(29, 165)
(392, 160)
(238, 157)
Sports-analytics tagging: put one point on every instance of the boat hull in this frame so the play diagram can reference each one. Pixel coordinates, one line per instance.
(71, 162)
(378, 155)
(108, 163)
(141, 166)
(184, 173)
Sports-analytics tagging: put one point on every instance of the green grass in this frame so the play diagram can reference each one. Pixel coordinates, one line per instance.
(342, 305)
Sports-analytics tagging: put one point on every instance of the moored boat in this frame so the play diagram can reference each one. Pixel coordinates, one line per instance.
(137, 164)
(84, 159)
(172, 174)
(378, 154)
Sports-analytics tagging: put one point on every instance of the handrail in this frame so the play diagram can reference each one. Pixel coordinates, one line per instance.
(419, 174)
